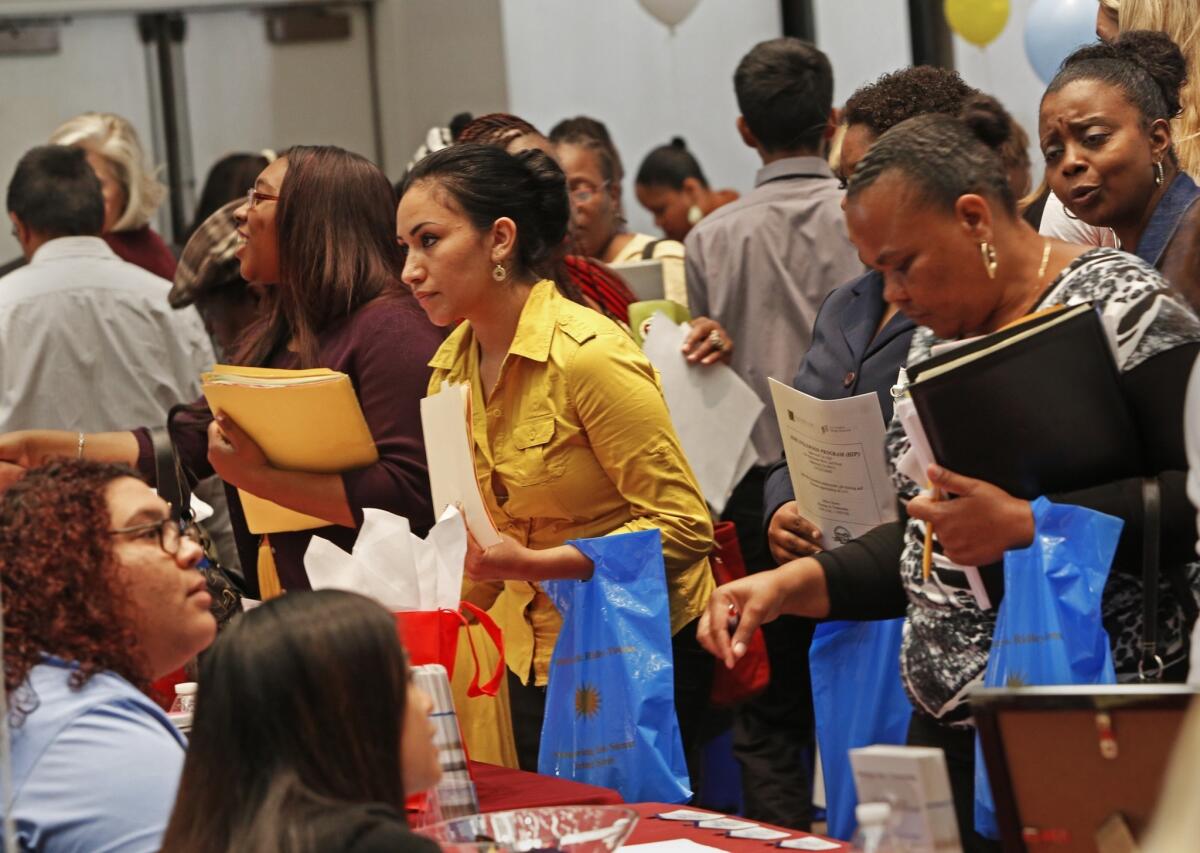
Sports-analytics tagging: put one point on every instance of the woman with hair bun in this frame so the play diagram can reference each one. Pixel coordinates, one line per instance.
(572, 436)
(671, 185)
(929, 206)
(132, 192)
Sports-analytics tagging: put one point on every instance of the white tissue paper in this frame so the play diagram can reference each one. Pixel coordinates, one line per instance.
(394, 566)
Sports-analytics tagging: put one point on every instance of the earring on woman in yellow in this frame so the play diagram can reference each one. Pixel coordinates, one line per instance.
(499, 273)
(988, 251)
(1159, 174)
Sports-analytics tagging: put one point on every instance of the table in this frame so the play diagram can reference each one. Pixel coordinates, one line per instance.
(649, 828)
(501, 789)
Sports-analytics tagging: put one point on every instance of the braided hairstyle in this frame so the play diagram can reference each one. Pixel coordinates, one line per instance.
(497, 129)
(669, 166)
(1147, 67)
(593, 135)
(945, 156)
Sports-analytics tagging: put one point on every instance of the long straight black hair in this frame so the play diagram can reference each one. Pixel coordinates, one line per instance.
(299, 712)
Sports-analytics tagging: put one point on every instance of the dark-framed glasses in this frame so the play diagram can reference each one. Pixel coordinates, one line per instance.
(167, 532)
(254, 196)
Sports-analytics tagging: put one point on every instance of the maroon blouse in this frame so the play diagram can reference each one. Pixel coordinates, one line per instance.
(144, 248)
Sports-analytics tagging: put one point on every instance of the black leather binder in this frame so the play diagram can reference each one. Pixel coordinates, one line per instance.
(1034, 409)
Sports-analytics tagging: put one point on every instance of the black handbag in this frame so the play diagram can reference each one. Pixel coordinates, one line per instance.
(172, 486)
(1150, 662)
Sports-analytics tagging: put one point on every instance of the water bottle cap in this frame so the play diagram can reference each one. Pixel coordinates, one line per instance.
(873, 813)
(186, 688)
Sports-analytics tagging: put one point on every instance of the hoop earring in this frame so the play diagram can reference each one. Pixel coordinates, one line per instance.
(988, 252)
(1159, 174)
(1067, 213)
(499, 273)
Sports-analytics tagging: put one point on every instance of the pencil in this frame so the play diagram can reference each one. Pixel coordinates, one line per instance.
(927, 556)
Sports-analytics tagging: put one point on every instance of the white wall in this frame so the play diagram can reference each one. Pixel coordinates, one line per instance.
(609, 59)
(858, 59)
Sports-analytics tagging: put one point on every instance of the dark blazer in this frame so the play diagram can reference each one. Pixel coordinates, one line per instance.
(844, 361)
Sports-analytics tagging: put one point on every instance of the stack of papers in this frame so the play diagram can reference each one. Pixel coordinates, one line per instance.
(712, 409)
(732, 827)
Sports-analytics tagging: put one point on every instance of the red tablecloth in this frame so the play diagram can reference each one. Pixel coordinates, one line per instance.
(649, 828)
(501, 789)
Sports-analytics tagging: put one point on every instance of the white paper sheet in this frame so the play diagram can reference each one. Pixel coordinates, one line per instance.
(712, 409)
(450, 452)
(835, 457)
(675, 845)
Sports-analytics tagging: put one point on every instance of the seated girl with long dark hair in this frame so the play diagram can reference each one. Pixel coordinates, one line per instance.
(308, 733)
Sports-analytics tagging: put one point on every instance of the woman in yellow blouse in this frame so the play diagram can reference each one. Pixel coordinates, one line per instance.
(572, 436)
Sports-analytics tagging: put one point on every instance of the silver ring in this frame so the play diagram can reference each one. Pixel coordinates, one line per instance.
(715, 340)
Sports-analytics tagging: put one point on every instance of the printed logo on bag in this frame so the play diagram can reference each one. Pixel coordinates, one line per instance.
(1015, 679)
(587, 701)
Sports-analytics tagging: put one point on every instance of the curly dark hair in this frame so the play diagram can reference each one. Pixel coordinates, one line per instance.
(906, 93)
(56, 571)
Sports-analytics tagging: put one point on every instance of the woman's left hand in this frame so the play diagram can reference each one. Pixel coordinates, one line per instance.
(507, 561)
(980, 524)
(234, 455)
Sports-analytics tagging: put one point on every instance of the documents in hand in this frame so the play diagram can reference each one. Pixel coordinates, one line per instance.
(1035, 408)
(712, 409)
(304, 420)
(835, 457)
(450, 452)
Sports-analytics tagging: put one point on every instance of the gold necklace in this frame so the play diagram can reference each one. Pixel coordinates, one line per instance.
(1045, 260)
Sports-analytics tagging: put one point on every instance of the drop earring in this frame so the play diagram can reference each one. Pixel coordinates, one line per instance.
(694, 214)
(499, 273)
(1159, 174)
(988, 252)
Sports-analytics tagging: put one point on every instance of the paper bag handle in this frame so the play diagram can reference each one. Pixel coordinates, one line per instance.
(492, 686)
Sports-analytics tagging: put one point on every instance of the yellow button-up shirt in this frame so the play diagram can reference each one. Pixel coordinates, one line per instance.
(575, 442)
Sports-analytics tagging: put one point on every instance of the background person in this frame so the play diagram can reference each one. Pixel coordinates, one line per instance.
(572, 436)
(308, 734)
(672, 187)
(132, 193)
(344, 311)
(101, 597)
(227, 181)
(1106, 135)
(928, 205)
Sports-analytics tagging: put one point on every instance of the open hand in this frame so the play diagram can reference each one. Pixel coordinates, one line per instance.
(980, 524)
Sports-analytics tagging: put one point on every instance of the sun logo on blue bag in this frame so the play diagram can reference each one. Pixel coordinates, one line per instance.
(1015, 680)
(587, 701)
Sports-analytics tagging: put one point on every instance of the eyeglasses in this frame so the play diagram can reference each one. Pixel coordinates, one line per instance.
(167, 533)
(584, 192)
(253, 196)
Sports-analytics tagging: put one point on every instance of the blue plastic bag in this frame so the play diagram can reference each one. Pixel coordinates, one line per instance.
(858, 700)
(1049, 628)
(610, 705)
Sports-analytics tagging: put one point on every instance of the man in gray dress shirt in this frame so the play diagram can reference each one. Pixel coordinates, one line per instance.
(761, 267)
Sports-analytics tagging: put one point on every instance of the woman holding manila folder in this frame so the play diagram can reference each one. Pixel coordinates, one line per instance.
(928, 206)
(316, 231)
(572, 436)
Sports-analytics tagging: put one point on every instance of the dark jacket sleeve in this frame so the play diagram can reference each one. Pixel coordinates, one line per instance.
(391, 375)
(1155, 391)
(863, 576)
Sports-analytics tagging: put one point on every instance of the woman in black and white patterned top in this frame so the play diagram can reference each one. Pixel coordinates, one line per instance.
(930, 208)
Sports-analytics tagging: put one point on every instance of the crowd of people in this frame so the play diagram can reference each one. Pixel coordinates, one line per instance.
(873, 233)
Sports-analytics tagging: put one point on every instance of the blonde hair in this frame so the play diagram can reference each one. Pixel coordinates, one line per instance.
(1179, 20)
(114, 138)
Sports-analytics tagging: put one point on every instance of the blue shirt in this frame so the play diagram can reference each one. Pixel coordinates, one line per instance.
(94, 769)
(1180, 196)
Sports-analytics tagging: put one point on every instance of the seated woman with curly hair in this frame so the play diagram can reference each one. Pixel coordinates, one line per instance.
(101, 596)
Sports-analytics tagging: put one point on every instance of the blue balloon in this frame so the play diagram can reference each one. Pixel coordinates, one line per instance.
(1054, 28)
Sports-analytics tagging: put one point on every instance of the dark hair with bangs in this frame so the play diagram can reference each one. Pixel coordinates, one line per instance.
(944, 156)
(336, 228)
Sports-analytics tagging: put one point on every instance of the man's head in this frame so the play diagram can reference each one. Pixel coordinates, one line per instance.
(54, 193)
(784, 90)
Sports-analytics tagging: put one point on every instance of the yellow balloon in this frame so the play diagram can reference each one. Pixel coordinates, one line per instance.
(978, 21)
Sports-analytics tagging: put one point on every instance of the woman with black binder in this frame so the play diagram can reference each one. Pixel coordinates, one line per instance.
(929, 207)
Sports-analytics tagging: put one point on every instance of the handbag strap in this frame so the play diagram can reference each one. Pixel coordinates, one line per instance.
(492, 686)
(1150, 664)
(171, 486)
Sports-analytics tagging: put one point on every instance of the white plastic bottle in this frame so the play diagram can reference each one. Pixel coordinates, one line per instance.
(874, 833)
(185, 698)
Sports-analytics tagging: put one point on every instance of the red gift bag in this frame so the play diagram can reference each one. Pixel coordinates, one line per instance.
(431, 636)
(752, 673)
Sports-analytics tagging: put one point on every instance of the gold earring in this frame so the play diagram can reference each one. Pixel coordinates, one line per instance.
(988, 251)
(499, 273)
(1159, 174)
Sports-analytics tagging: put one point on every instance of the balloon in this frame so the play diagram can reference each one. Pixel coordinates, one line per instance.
(669, 12)
(1054, 28)
(978, 21)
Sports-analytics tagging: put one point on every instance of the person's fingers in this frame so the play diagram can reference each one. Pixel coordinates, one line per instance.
(801, 526)
(798, 546)
(698, 333)
(950, 482)
(10, 474)
(925, 508)
(722, 607)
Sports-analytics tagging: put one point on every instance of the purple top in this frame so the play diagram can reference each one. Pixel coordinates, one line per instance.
(384, 348)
